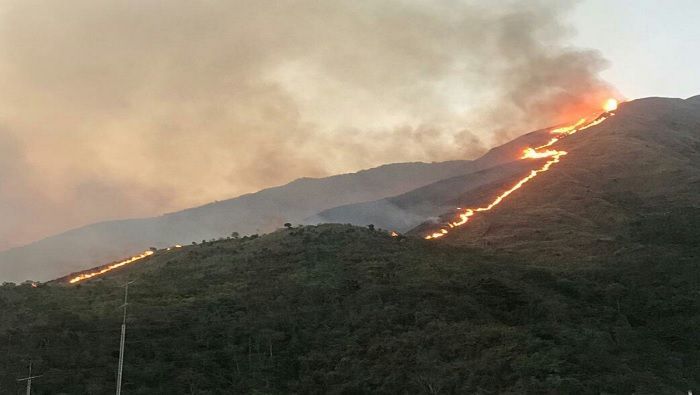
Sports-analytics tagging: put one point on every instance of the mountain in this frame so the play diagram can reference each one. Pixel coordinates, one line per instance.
(584, 281)
(257, 212)
(637, 168)
(621, 171)
(406, 211)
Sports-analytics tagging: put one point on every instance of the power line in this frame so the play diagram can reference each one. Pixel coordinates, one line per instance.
(29, 378)
(121, 343)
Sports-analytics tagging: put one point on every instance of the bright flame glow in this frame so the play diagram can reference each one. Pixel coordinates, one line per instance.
(568, 129)
(85, 276)
(610, 105)
(531, 153)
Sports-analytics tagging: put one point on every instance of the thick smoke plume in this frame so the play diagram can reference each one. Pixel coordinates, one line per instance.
(113, 108)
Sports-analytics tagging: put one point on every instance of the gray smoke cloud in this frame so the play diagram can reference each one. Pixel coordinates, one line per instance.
(115, 108)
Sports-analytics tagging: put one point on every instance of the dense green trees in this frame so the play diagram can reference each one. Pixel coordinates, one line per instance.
(343, 309)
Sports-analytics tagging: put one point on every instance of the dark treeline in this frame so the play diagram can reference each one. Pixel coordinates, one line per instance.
(341, 309)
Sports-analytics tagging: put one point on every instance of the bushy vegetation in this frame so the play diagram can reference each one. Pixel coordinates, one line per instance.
(342, 309)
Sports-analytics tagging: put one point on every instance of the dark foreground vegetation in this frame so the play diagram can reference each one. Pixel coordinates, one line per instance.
(341, 309)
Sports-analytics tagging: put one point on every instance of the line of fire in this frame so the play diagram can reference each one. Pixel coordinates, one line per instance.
(545, 151)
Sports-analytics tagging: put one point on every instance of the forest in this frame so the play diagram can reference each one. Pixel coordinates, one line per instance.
(345, 309)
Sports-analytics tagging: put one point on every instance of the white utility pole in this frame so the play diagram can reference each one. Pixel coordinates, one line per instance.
(29, 378)
(121, 343)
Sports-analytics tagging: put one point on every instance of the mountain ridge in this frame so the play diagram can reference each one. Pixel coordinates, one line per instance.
(262, 211)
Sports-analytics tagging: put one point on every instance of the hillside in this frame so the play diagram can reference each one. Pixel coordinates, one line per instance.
(640, 167)
(641, 163)
(258, 212)
(339, 309)
(405, 211)
(585, 281)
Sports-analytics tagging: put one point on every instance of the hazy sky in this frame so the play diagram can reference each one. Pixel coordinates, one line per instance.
(653, 45)
(120, 108)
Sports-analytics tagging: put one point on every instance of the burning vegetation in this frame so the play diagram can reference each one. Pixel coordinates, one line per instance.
(541, 152)
(90, 274)
(544, 151)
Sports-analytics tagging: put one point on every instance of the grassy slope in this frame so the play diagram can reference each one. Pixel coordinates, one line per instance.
(644, 162)
(343, 309)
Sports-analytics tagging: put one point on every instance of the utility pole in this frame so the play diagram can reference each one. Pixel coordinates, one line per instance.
(121, 343)
(29, 378)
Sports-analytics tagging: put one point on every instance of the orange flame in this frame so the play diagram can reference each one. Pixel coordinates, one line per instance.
(104, 270)
(531, 153)
(568, 129)
(610, 105)
(85, 276)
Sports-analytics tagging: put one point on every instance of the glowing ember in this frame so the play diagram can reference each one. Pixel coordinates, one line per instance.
(531, 153)
(104, 270)
(394, 234)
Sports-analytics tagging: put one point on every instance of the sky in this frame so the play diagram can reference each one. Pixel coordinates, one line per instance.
(652, 45)
(125, 108)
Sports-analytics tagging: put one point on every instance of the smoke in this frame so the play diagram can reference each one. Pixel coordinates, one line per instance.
(114, 108)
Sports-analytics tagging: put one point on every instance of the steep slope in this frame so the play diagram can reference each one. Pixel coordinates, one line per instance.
(339, 309)
(408, 210)
(642, 164)
(253, 213)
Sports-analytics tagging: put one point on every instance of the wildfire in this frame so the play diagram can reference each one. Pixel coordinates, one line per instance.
(85, 276)
(569, 128)
(610, 105)
(531, 153)
(145, 254)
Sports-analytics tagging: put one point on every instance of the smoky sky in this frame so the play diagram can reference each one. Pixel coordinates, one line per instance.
(120, 108)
